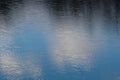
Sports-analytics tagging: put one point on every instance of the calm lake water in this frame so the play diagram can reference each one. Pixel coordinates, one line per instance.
(59, 40)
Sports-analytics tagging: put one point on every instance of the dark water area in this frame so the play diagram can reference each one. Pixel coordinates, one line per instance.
(59, 40)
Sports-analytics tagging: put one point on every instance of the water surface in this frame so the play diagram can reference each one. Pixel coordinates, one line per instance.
(59, 40)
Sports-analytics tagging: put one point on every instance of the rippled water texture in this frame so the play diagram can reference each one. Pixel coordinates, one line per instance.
(59, 40)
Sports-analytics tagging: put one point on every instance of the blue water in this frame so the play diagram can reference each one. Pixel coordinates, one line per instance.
(49, 41)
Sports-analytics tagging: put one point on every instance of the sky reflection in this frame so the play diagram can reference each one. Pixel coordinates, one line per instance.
(72, 47)
(13, 66)
(59, 40)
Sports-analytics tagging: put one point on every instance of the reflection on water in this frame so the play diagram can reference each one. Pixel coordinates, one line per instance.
(12, 66)
(72, 47)
(59, 40)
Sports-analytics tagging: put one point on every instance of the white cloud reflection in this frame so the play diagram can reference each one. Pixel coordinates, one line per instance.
(8, 63)
(72, 46)
(12, 65)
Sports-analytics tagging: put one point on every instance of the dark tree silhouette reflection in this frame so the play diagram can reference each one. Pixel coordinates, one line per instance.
(107, 10)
